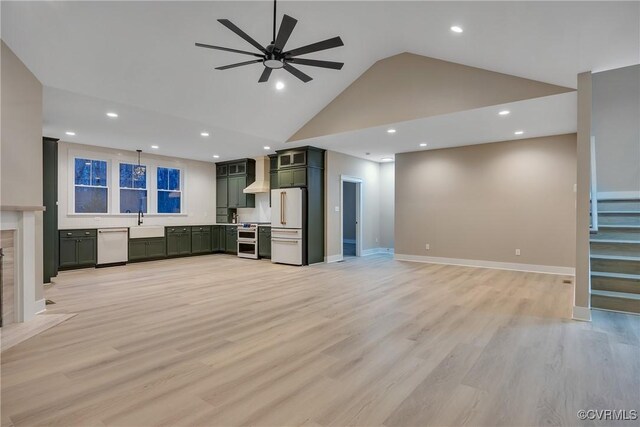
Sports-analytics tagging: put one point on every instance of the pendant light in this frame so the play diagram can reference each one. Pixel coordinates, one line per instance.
(139, 170)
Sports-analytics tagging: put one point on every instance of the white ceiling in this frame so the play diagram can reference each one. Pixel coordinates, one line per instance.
(139, 57)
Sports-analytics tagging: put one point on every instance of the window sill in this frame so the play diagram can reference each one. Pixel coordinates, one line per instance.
(126, 215)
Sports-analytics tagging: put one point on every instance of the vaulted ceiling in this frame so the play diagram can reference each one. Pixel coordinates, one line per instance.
(139, 58)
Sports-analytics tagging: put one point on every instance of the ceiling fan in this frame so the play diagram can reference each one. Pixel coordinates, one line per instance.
(273, 56)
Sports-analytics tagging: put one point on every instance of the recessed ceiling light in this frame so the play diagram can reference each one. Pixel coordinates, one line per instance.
(504, 112)
(519, 132)
(266, 147)
(155, 147)
(456, 29)
(215, 156)
(70, 133)
(279, 85)
(387, 159)
(112, 115)
(423, 144)
(391, 131)
(204, 133)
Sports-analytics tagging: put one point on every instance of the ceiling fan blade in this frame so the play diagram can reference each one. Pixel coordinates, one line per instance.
(286, 27)
(299, 74)
(239, 64)
(208, 46)
(265, 75)
(317, 63)
(230, 25)
(316, 47)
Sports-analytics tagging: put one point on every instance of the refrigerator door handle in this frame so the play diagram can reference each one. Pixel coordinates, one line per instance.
(283, 201)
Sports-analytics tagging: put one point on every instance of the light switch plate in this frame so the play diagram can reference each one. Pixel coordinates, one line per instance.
(337, 208)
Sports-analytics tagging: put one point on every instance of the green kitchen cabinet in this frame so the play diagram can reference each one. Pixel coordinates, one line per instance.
(77, 248)
(222, 200)
(264, 242)
(201, 239)
(147, 248)
(178, 241)
(231, 239)
(295, 177)
(215, 238)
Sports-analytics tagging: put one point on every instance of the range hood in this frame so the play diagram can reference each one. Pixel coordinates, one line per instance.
(261, 184)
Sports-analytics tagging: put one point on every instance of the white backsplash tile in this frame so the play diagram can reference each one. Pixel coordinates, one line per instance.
(261, 213)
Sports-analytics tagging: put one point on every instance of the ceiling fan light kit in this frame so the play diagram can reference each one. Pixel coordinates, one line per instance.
(273, 56)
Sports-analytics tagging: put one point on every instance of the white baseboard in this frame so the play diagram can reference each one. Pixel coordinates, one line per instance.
(611, 195)
(374, 251)
(581, 313)
(332, 258)
(548, 269)
(39, 306)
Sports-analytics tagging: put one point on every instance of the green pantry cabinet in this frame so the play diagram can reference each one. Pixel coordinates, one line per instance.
(78, 248)
(232, 178)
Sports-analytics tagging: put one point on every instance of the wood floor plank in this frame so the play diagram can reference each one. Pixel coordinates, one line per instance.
(223, 341)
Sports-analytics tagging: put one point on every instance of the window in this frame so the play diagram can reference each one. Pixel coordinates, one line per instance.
(169, 193)
(133, 188)
(91, 189)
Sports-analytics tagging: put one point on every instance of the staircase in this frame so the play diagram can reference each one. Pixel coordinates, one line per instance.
(615, 256)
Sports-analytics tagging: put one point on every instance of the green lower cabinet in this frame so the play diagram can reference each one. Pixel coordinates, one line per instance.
(264, 242)
(201, 239)
(231, 239)
(216, 240)
(77, 248)
(144, 249)
(178, 241)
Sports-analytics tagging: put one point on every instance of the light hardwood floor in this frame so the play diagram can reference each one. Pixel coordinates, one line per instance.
(218, 340)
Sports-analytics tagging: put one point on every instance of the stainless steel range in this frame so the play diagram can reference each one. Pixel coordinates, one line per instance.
(248, 240)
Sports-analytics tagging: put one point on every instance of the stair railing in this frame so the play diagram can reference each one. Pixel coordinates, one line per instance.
(594, 189)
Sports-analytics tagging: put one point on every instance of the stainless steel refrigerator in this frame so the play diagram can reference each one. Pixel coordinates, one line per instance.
(288, 226)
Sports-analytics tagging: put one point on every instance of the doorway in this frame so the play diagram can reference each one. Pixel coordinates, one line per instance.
(351, 230)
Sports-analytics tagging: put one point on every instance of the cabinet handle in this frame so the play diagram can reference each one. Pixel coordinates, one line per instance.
(69, 234)
(86, 233)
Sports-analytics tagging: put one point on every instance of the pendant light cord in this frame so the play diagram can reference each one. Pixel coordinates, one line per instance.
(274, 21)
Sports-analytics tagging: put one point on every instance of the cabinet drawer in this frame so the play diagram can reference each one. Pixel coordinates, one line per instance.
(177, 230)
(78, 233)
(201, 228)
(286, 233)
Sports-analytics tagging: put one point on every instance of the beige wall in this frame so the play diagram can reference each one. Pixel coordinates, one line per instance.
(338, 164)
(616, 127)
(199, 196)
(483, 202)
(21, 144)
(408, 86)
(387, 196)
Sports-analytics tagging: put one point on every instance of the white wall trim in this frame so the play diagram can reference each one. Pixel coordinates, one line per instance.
(40, 306)
(581, 313)
(333, 258)
(603, 196)
(549, 269)
(374, 251)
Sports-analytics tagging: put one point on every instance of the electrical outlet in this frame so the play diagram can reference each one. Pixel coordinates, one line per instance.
(518, 252)
(337, 208)
(427, 246)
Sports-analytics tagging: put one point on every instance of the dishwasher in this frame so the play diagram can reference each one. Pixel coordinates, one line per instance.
(113, 246)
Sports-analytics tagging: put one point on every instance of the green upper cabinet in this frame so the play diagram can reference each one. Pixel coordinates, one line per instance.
(231, 179)
(292, 159)
(295, 177)
(222, 186)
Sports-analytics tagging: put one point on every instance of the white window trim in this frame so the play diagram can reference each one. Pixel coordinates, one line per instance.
(72, 182)
(113, 178)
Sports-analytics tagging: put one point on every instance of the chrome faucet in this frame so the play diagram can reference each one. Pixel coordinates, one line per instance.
(140, 217)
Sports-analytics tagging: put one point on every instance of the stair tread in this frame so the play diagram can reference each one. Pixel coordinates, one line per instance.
(612, 294)
(608, 240)
(616, 275)
(615, 257)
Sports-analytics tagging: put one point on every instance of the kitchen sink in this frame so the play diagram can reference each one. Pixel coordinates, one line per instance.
(146, 231)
